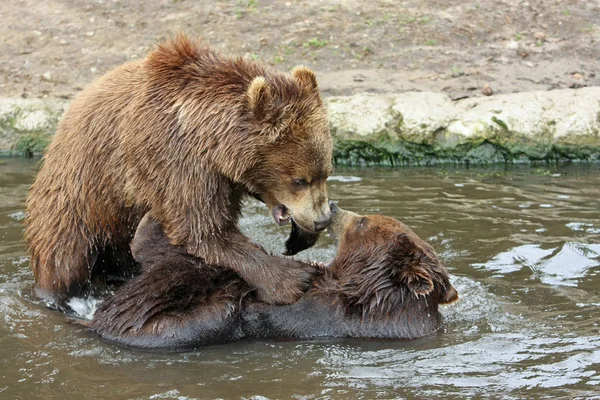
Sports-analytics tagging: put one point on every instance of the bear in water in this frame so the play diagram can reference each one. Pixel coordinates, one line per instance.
(185, 134)
(384, 282)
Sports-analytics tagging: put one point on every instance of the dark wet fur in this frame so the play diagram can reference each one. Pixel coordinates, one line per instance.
(299, 240)
(179, 302)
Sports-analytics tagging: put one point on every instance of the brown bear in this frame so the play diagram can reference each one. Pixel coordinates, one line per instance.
(385, 282)
(185, 134)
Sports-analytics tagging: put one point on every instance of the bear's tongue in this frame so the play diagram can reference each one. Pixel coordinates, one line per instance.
(281, 215)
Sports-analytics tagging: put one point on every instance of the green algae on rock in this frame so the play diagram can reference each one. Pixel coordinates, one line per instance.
(27, 126)
(412, 128)
(421, 128)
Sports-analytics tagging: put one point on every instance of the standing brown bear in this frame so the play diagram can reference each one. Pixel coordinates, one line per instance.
(184, 134)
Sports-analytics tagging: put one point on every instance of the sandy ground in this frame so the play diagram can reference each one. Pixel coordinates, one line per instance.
(53, 48)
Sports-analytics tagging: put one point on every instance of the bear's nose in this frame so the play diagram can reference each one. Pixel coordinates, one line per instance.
(333, 207)
(323, 223)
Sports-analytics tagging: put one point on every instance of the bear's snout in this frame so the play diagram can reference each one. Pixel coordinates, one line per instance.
(323, 222)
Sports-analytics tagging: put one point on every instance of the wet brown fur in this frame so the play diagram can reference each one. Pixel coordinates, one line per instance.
(184, 134)
(385, 282)
(378, 254)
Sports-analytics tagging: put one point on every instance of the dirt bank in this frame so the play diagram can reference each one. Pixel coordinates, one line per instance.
(53, 48)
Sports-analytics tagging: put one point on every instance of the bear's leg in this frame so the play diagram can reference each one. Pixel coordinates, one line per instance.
(278, 280)
(176, 303)
(70, 270)
(62, 269)
(204, 222)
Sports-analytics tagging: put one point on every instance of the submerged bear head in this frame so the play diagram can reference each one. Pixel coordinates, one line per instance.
(381, 264)
(296, 160)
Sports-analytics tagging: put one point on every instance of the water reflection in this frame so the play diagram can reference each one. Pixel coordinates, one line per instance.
(554, 266)
(527, 324)
(511, 361)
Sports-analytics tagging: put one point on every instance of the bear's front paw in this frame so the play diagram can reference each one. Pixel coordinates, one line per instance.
(288, 285)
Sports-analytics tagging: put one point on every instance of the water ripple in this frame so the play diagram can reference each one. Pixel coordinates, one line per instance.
(522, 247)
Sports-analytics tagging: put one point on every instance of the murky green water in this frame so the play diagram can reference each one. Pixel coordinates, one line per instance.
(523, 247)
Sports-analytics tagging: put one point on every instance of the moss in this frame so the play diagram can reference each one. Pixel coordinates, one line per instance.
(31, 144)
(8, 121)
(496, 145)
(18, 140)
(500, 123)
(395, 145)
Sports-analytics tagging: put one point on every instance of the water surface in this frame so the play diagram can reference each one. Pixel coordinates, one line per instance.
(522, 245)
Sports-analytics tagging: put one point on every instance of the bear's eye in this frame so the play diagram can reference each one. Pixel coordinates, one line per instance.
(299, 183)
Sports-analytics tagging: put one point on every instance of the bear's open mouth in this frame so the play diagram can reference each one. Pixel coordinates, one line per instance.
(281, 214)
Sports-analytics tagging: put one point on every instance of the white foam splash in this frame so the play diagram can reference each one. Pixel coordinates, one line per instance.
(560, 266)
(84, 307)
(18, 216)
(582, 226)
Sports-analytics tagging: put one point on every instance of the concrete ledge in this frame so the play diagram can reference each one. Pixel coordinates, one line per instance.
(417, 128)
(429, 128)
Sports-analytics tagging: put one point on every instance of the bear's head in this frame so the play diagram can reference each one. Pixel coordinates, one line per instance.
(296, 159)
(382, 265)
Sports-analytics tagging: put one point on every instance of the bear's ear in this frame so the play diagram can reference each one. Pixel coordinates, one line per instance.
(411, 261)
(305, 76)
(418, 280)
(259, 96)
(449, 295)
(149, 239)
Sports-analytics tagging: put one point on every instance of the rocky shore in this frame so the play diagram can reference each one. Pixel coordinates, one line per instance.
(407, 82)
(411, 128)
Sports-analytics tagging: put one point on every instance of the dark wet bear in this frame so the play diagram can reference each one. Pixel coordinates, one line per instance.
(185, 134)
(385, 282)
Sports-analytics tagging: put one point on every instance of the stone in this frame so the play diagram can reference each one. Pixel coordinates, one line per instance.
(541, 36)
(512, 45)
(486, 90)
(359, 115)
(415, 127)
(530, 125)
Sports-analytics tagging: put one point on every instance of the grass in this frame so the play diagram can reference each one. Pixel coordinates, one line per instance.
(287, 50)
(408, 20)
(314, 42)
(431, 42)
(249, 5)
(331, 8)
(32, 143)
